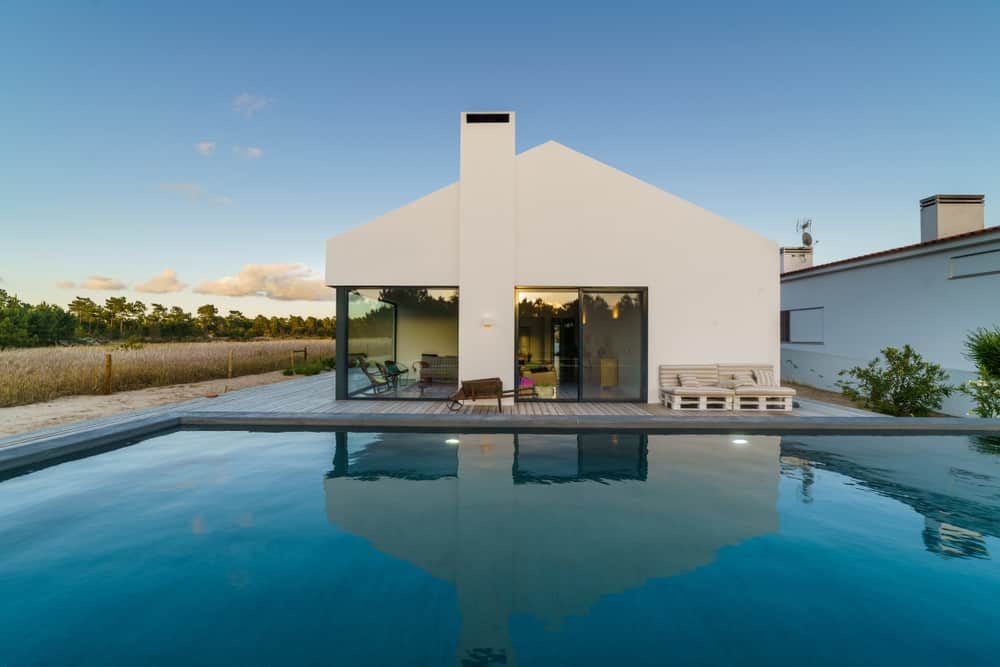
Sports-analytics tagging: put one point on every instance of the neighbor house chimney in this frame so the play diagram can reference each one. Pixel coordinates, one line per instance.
(793, 259)
(947, 215)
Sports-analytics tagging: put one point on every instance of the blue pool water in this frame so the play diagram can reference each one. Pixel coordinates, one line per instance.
(270, 548)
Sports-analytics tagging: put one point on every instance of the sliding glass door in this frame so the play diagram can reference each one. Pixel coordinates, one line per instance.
(613, 345)
(548, 356)
(582, 343)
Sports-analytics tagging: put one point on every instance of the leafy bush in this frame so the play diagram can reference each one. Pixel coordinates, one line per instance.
(982, 347)
(902, 385)
(985, 391)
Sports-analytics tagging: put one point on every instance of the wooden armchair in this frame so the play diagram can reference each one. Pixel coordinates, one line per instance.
(486, 388)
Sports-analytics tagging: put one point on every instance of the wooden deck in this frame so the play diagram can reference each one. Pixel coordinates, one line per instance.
(314, 396)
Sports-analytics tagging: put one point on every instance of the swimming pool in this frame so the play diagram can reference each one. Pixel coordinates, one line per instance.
(208, 547)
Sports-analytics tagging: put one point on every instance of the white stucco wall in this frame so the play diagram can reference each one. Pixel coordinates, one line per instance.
(909, 300)
(713, 285)
(417, 335)
(553, 217)
(414, 245)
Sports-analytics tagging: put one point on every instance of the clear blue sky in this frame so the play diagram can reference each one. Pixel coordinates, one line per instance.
(846, 112)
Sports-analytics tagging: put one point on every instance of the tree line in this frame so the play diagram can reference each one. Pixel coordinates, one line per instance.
(25, 325)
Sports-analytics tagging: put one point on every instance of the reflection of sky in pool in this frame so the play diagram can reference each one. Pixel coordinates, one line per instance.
(265, 548)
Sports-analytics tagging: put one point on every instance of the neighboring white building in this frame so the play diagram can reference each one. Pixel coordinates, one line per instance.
(550, 268)
(929, 295)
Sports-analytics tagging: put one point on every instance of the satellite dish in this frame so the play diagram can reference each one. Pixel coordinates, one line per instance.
(804, 225)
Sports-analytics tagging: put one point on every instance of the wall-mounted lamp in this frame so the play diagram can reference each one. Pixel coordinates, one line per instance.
(488, 322)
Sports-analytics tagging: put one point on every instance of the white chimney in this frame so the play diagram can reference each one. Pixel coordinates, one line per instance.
(947, 215)
(487, 209)
(793, 259)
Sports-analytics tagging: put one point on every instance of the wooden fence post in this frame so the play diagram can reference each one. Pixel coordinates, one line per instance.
(305, 354)
(107, 373)
(291, 356)
(230, 365)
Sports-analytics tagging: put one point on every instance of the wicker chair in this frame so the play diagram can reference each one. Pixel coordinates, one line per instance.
(378, 384)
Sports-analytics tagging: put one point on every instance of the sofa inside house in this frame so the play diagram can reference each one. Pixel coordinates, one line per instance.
(441, 369)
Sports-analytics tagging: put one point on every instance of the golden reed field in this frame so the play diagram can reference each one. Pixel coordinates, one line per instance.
(43, 373)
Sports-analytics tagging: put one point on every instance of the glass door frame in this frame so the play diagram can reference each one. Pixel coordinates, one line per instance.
(580, 291)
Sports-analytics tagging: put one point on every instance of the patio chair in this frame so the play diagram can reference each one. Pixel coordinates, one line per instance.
(694, 388)
(755, 387)
(378, 384)
(392, 377)
(397, 369)
(486, 388)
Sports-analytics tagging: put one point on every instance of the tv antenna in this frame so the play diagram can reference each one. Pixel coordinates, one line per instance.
(804, 225)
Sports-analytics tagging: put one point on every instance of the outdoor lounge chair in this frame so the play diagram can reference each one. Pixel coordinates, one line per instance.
(755, 387)
(486, 388)
(694, 388)
(390, 375)
(397, 369)
(378, 384)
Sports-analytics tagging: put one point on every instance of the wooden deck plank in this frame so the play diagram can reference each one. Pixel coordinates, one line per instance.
(315, 395)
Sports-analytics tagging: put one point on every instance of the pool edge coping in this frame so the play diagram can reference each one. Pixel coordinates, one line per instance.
(64, 445)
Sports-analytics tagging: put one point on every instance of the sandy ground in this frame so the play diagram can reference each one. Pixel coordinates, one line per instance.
(67, 409)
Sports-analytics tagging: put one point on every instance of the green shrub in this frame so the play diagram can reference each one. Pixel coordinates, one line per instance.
(309, 367)
(899, 383)
(985, 391)
(982, 347)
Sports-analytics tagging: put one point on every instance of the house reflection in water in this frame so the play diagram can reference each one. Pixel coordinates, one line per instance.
(548, 525)
(950, 480)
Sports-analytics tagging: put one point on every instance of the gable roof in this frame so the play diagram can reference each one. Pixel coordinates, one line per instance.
(560, 191)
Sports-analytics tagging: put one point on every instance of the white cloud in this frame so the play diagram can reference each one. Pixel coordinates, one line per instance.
(249, 153)
(194, 192)
(206, 148)
(248, 104)
(65, 284)
(186, 190)
(163, 283)
(102, 283)
(284, 282)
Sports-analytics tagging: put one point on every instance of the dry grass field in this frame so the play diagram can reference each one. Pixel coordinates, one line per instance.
(42, 374)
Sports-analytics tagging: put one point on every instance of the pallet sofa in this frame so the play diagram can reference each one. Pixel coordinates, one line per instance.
(723, 387)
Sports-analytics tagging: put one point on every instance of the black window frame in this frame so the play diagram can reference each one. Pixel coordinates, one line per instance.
(644, 370)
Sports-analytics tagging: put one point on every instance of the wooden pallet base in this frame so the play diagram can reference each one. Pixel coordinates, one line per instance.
(698, 402)
(764, 403)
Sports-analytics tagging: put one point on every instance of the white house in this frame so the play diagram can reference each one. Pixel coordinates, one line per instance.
(929, 295)
(550, 268)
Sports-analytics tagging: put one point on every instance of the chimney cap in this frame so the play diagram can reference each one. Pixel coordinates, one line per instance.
(487, 116)
(952, 199)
